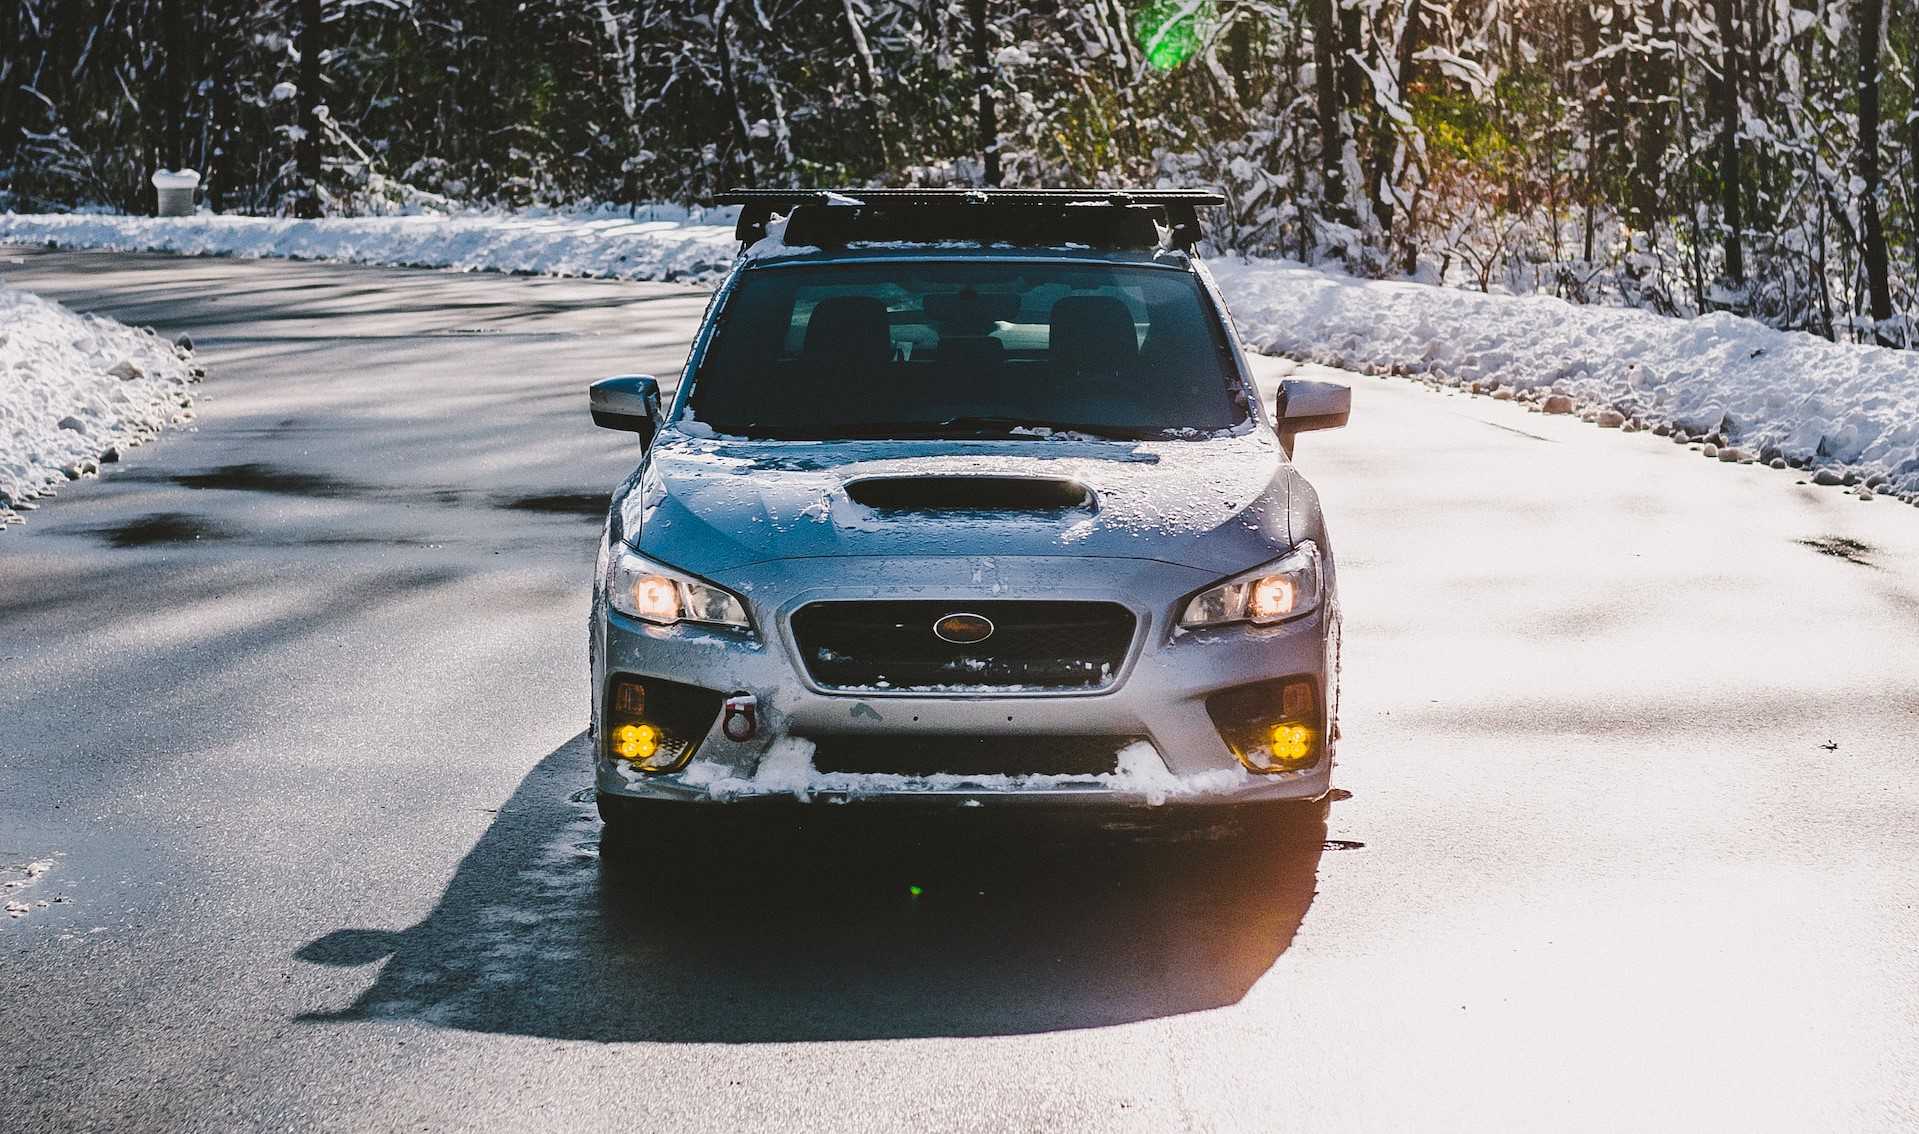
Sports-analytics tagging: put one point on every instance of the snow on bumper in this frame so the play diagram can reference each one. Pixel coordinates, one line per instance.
(1168, 749)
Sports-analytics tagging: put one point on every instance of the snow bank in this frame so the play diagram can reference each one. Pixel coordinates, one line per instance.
(1764, 392)
(600, 243)
(74, 391)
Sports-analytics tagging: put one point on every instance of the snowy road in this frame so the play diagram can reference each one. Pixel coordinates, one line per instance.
(291, 712)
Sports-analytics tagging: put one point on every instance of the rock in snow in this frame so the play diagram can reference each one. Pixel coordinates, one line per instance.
(1557, 403)
(1828, 477)
(74, 388)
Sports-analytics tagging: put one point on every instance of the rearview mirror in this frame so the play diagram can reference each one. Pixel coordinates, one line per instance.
(1304, 405)
(630, 402)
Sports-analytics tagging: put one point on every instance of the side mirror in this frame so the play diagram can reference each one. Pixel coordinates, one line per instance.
(630, 402)
(1303, 406)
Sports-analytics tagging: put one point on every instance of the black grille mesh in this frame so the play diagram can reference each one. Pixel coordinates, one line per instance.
(923, 755)
(891, 645)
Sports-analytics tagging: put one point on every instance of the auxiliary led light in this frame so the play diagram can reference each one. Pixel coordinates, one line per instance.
(1292, 742)
(636, 741)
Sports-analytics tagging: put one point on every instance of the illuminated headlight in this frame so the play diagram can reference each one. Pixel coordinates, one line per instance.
(1286, 589)
(657, 593)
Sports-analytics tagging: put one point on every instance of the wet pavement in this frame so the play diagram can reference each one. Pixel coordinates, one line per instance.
(291, 712)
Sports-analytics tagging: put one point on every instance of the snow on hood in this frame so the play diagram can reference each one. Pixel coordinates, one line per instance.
(709, 504)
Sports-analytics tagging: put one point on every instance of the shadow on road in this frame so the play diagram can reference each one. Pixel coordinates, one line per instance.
(810, 928)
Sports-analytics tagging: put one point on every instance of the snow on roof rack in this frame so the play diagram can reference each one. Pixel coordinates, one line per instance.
(1101, 218)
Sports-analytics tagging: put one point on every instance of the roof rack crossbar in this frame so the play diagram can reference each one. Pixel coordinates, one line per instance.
(1179, 207)
(1195, 197)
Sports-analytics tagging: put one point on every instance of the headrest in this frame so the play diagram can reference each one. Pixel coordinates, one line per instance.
(1093, 335)
(849, 329)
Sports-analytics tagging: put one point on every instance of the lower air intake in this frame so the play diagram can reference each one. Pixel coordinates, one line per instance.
(919, 756)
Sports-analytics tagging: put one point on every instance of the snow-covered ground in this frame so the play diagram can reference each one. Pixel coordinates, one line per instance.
(662, 243)
(74, 391)
(1750, 391)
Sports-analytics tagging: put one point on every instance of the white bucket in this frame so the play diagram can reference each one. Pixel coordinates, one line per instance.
(175, 188)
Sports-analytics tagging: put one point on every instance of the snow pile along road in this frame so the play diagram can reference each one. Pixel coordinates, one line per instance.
(1749, 391)
(601, 243)
(74, 391)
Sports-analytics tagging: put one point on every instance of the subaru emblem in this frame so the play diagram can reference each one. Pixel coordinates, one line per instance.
(963, 629)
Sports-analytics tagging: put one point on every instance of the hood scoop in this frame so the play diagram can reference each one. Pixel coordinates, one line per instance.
(970, 494)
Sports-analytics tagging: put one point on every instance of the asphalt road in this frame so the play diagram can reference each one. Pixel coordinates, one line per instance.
(294, 701)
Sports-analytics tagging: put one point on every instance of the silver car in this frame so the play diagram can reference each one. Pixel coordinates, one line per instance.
(967, 499)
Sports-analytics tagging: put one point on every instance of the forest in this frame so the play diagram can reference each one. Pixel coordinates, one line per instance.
(1753, 156)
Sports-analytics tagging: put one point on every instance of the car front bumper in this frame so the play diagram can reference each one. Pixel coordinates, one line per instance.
(1159, 694)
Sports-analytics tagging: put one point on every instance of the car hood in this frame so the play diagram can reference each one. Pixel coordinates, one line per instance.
(710, 504)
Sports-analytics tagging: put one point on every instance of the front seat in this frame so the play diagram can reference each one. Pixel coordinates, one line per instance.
(849, 331)
(1092, 337)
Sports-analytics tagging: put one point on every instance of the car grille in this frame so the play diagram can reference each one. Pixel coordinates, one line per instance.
(1034, 645)
(919, 755)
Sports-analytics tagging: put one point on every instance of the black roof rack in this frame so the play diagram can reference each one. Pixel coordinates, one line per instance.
(1100, 218)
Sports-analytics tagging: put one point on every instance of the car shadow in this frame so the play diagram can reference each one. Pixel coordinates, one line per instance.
(830, 923)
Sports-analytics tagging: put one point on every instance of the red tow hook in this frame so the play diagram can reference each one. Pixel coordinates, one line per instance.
(742, 721)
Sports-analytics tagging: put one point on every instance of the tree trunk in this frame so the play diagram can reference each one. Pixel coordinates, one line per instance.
(1352, 96)
(220, 46)
(306, 151)
(1872, 33)
(11, 61)
(730, 91)
(1332, 143)
(867, 77)
(1651, 81)
(1385, 153)
(1724, 89)
(1239, 59)
(173, 86)
(983, 83)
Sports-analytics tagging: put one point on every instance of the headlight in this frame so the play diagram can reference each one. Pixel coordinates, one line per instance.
(1286, 589)
(657, 593)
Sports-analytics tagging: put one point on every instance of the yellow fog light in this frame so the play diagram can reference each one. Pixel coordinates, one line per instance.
(636, 741)
(1292, 742)
(1271, 726)
(1286, 746)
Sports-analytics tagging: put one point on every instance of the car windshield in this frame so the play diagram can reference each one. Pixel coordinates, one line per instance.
(958, 349)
